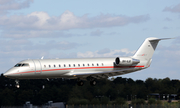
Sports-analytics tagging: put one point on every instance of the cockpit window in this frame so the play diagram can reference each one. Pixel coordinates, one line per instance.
(25, 64)
(18, 65)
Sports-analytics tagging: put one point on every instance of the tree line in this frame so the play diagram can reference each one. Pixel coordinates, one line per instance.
(116, 91)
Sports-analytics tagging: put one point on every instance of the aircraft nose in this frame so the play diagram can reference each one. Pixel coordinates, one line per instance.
(9, 73)
(6, 74)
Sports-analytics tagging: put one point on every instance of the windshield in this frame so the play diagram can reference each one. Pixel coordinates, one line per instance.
(18, 65)
(25, 64)
(21, 65)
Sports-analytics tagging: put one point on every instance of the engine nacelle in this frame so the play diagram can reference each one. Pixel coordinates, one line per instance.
(125, 61)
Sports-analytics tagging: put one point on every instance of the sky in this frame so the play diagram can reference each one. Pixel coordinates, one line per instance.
(30, 29)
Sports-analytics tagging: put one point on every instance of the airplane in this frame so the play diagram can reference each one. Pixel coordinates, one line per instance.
(89, 69)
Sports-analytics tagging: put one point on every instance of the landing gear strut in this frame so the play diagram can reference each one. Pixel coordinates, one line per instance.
(93, 83)
(17, 83)
(91, 79)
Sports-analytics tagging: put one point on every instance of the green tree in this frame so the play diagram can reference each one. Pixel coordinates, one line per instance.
(120, 101)
(151, 101)
(138, 101)
(7, 97)
(104, 100)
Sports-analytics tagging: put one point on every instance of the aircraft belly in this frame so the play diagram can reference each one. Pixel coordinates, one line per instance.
(55, 73)
(92, 70)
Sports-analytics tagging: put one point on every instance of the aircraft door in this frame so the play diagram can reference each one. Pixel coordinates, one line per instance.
(37, 66)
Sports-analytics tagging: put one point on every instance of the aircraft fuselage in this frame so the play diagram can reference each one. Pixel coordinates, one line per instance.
(68, 68)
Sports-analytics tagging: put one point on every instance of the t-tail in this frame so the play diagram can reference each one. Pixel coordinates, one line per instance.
(146, 50)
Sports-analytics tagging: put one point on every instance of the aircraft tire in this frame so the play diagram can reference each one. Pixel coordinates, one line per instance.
(17, 86)
(93, 83)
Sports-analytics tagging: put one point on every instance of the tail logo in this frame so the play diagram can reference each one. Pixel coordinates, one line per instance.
(142, 55)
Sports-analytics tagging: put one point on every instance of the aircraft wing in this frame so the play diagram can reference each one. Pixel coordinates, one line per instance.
(100, 74)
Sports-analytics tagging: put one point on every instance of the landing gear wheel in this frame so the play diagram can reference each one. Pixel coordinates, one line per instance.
(93, 83)
(80, 83)
(17, 84)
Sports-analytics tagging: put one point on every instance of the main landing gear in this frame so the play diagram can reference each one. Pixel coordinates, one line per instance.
(17, 84)
(92, 82)
(80, 83)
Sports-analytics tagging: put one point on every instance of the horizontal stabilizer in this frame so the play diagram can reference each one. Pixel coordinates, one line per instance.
(160, 39)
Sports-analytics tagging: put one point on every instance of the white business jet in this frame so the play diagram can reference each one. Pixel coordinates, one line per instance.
(84, 68)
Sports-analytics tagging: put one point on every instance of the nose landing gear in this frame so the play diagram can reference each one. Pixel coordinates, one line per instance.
(17, 84)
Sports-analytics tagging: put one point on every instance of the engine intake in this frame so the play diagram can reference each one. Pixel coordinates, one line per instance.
(125, 61)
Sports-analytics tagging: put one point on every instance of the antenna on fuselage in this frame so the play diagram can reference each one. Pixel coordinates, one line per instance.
(42, 57)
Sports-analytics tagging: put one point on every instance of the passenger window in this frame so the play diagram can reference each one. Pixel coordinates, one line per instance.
(64, 65)
(69, 65)
(74, 65)
(92, 64)
(54, 65)
(79, 65)
(88, 64)
(49, 65)
(45, 66)
(83, 65)
(97, 64)
(59, 65)
(102, 64)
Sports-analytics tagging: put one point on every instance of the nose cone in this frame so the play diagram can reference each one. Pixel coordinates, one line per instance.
(10, 73)
(5, 74)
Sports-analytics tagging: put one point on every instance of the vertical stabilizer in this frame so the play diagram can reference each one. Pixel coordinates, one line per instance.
(146, 50)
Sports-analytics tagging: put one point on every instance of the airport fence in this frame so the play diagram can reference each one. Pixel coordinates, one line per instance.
(176, 105)
(126, 106)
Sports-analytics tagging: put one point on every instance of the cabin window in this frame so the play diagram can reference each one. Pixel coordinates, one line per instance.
(74, 65)
(54, 65)
(45, 66)
(64, 65)
(97, 64)
(69, 65)
(83, 64)
(59, 65)
(79, 65)
(92, 64)
(88, 64)
(102, 64)
(49, 65)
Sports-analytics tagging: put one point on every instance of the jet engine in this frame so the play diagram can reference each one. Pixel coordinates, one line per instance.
(126, 61)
